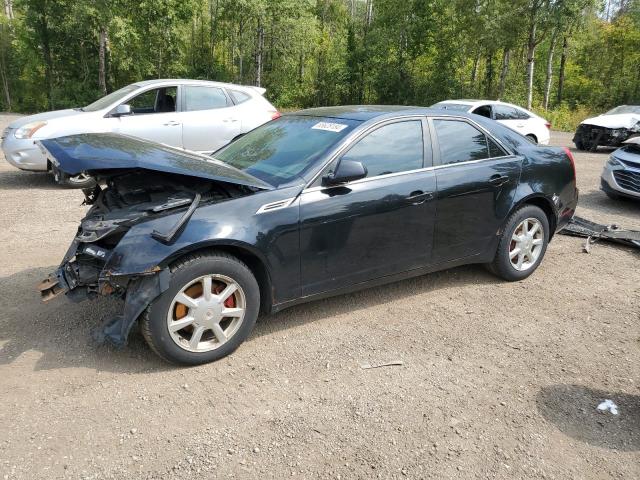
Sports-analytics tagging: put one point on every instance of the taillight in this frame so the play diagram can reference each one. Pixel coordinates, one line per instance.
(275, 115)
(571, 159)
(548, 125)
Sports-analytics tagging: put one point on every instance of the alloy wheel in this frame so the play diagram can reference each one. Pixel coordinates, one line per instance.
(526, 244)
(80, 178)
(206, 313)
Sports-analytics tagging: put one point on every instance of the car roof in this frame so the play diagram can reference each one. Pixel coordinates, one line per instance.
(186, 81)
(368, 112)
(470, 102)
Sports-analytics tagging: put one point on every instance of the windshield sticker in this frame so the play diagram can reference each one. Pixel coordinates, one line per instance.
(329, 127)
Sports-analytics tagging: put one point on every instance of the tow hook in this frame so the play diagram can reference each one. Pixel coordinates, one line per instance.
(50, 288)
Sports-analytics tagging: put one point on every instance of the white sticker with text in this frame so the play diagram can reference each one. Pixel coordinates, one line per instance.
(330, 127)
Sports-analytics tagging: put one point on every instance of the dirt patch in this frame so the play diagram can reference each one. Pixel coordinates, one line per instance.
(499, 380)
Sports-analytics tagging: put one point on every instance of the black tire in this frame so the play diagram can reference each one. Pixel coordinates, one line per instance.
(501, 265)
(580, 144)
(66, 181)
(532, 138)
(154, 320)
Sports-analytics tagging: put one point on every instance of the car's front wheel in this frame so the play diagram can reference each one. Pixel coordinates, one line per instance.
(522, 245)
(82, 180)
(209, 309)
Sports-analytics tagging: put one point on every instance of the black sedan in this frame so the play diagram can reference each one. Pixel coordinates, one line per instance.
(316, 203)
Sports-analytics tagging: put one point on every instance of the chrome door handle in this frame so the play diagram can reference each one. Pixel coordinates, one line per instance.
(498, 180)
(419, 197)
(171, 123)
(230, 119)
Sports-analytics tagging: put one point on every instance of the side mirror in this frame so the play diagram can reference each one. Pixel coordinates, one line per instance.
(347, 171)
(122, 110)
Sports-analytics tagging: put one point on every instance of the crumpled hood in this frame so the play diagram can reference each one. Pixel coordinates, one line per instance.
(96, 153)
(48, 116)
(622, 120)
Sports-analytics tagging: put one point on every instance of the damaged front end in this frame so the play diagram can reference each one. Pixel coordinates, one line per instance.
(123, 199)
(589, 137)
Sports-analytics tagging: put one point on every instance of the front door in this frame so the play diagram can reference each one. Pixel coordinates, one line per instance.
(376, 226)
(476, 184)
(153, 117)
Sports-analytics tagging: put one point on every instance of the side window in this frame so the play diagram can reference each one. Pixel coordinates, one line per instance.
(522, 115)
(158, 100)
(239, 97)
(460, 142)
(484, 110)
(397, 147)
(203, 98)
(505, 113)
(495, 150)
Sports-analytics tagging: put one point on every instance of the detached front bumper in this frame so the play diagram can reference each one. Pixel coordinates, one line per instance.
(81, 277)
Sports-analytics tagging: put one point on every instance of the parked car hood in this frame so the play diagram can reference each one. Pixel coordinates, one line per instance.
(56, 114)
(99, 152)
(622, 120)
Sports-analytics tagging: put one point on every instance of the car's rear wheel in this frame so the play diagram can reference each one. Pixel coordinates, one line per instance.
(532, 138)
(209, 309)
(522, 245)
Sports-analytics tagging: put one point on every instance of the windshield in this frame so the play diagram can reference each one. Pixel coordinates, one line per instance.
(458, 107)
(113, 97)
(285, 148)
(624, 109)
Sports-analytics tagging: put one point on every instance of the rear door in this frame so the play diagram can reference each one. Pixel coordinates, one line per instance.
(375, 226)
(209, 118)
(476, 183)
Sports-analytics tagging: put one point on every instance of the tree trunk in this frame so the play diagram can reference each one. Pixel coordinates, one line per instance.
(474, 72)
(503, 72)
(8, 9)
(563, 62)
(531, 54)
(48, 59)
(547, 83)
(488, 90)
(259, 53)
(102, 64)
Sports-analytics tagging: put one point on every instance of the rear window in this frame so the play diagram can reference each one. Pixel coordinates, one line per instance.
(283, 149)
(239, 97)
(204, 98)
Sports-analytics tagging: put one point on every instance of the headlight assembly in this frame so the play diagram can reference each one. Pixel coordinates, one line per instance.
(614, 162)
(27, 131)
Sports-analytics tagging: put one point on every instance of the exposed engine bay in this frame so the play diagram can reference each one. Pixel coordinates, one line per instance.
(119, 201)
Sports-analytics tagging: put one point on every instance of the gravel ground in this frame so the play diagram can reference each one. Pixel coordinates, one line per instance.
(499, 380)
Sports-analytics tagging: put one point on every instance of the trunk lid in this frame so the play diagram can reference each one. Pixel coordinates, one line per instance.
(97, 153)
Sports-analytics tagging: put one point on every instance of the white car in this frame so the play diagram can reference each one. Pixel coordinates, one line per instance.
(611, 129)
(195, 115)
(527, 123)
